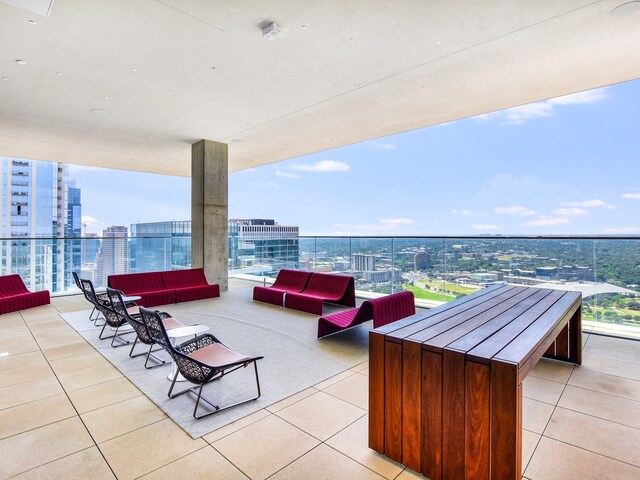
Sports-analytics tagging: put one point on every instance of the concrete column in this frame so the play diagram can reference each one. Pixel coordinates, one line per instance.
(209, 211)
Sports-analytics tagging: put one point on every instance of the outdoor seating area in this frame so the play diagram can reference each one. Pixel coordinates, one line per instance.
(165, 287)
(15, 296)
(307, 291)
(575, 419)
(199, 360)
(382, 310)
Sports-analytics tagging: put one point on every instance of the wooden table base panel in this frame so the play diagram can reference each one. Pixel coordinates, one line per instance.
(451, 414)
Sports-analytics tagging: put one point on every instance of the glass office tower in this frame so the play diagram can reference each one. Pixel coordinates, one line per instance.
(34, 207)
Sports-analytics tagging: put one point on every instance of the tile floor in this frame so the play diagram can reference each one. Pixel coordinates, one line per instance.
(65, 412)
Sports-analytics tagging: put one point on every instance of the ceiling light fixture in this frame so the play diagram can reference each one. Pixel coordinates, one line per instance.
(21, 62)
(270, 30)
(100, 111)
(5, 78)
(32, 22)
(626, 9)
(59, 74)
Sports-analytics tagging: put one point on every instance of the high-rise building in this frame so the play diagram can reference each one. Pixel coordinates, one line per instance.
(255, 246)
(160, 246)
(363, 263)
(91, 248)
(114, 257)
(34, 199)
(73, 234)
(422, 261)
(262, 246)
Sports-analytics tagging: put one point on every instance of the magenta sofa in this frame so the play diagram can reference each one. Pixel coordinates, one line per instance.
(382, 310)
(287, 281)
(15, 296)
(162, 288)
(323, 287)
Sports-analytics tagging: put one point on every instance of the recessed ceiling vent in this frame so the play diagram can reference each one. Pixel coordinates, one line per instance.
(39, 7)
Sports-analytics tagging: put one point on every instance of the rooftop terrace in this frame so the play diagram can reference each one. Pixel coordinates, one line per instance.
(66, 412)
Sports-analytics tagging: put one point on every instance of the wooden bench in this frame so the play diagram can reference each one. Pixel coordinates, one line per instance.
(287, 281)
(382, 311)
(445, 386)
(323, 287)
(15, 296)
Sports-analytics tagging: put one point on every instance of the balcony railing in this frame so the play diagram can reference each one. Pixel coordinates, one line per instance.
(437, 269)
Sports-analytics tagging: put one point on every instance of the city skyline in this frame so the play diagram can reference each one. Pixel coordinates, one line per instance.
(560, 166)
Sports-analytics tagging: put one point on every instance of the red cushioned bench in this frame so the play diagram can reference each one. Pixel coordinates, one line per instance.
(382, 310)
(190, 284)
(323, 287)
(15, 296)
(287, 281)
(161, 288)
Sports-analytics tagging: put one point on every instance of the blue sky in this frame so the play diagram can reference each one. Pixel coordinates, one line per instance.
(564, 166)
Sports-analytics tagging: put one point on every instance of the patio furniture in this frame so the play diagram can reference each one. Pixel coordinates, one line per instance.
(120, 307)
(149, 286)
(165, 287)
(201, 360)
(101, 297)
(287, 281)
(190, 284)
(445, 386)
(323, 287)
(382, 310)
(116, 322)
(182, 332)
(15, 296)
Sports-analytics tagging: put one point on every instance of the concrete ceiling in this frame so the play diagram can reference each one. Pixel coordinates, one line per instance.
(132, 84)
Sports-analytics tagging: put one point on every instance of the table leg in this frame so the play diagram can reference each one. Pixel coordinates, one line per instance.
(506, 422)
(477, 418)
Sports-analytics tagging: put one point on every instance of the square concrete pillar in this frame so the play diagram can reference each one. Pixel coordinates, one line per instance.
(210, 211)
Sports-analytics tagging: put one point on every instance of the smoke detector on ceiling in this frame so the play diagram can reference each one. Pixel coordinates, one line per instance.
(271, 30)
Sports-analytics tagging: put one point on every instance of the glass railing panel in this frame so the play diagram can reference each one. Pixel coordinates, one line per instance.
(372, 264)
(420, 261)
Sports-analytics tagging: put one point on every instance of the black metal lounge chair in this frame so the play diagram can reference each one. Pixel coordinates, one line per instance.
(111, 317)
(200, 360)
(140, 328)
(91, 296)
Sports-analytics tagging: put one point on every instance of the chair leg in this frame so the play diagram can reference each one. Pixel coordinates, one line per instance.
(115, 336)
(118, 336)
(150, 354)
(135, 342)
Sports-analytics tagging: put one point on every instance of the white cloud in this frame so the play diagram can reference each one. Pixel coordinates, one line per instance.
(280, 173)
(397, 221)
(570, 212)
(91, 222)
(622, 231)
(486, 227)
(323, 166)
(467, 213)
(597, 203)
(520, 114)
(547, 221)
(515, 210)
(631, 196)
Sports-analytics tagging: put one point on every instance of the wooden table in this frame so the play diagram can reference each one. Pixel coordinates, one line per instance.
(445, 386)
